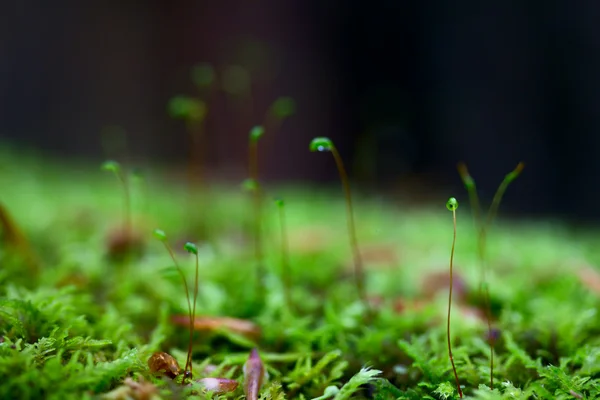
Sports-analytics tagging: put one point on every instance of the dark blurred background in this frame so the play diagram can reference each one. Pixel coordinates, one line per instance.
(405, 88)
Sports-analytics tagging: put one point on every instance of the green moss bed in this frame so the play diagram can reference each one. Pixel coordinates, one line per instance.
(78, 322)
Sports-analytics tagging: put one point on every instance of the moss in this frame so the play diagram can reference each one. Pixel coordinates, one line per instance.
(83, 325)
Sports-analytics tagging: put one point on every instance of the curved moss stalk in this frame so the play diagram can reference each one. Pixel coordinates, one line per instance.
(452, 205)
(192, 249)
(325, 144)
(160, 235)
(482, 228)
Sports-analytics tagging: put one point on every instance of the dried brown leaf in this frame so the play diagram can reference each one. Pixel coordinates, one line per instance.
(210, 323)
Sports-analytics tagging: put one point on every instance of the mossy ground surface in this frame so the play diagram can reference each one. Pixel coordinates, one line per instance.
(78, 324)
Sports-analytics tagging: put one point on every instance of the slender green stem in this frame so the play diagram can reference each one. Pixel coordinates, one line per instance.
(358, 264)
(484, 292)
(257, 198)
(482, 228)
(493, 210)
(188, 362)
(192, 321)
(500, 192)
(285, 257)
(477, 215)
(450, 307)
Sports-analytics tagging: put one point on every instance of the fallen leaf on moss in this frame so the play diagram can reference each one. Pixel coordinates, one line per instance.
(240, 326)
(590, 278)
(218, 385)
(438, 281)
(132, 390)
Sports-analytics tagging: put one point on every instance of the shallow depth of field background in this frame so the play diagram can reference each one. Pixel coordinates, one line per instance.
(405, 88)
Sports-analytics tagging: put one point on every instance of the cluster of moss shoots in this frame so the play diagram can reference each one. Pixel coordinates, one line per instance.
(254, 370)
(194, 111)
(163, 363)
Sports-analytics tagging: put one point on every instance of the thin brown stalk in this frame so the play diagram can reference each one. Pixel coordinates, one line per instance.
(358, 264)
(285, 258)
(188, 361)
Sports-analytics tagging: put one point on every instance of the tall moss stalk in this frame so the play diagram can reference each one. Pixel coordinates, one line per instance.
(452, 205)
(160, 235)
(482, 228)
(325, 144)
(192, 249)
(255, 134)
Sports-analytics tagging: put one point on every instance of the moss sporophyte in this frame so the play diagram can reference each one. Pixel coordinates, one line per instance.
(160, 360)
(452, 205)
(482, 231)
(324, 144)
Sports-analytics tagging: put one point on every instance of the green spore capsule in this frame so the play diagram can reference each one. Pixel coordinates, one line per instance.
(187, 108)
(256, 133)
(160, 235)
(111, 166)
(191, 248)
(452, 204)
(321, 144)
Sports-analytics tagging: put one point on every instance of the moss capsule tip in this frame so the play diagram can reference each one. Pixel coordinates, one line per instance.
(321, 144)
(111, 165)
(256, 133)
(452, 204)
(465, 176)
(160, 234)
(515, 173)
(191, 248)
(187, 108)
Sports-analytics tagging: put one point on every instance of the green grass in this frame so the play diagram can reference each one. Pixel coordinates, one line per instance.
(82, 323)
